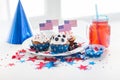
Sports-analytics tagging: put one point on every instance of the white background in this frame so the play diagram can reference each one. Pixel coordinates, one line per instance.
(59, 8)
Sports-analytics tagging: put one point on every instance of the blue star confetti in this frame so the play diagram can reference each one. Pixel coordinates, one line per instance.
(22, 61)
(71, 63)
(92, 63)
(50, 65)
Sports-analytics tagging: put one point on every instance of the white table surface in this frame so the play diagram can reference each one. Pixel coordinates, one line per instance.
(106, 69)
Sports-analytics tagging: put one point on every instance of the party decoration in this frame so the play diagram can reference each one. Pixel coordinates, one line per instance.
(40, 65)
(94, 51)
(64, 28)
(83, 67)
(54, 22)
(46, 26)
(32, 58)
(78, 59)
(50, 64)
(11, 64)
(73, 23)
(92, 63)
(71, 63)
(22, 61)
(20, 30)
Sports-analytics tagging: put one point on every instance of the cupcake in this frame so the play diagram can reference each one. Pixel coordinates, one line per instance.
(72, 40)
(59, 43)
(40, 43)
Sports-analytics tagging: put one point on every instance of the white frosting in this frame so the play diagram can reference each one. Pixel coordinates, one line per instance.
(60, 39)
(40, 38)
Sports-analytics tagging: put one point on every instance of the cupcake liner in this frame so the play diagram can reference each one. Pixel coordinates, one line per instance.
(59, 48)
(41, 47)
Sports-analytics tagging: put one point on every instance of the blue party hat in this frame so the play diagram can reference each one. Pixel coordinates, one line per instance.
(20, 30)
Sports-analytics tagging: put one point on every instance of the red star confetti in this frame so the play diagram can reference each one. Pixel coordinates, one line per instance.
(40, 65)
(18, 56)
(96, 48)
(82, 67)
(22, 51)
(32, 59)
(77, 59)
(33, 50)
(50, 59)
(13, 57)
(11, 64)
(69, 59)
(46, 59)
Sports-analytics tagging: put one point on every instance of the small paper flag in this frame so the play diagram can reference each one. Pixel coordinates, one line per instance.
(64, 28)
(54, 22)
(46, 26)
(73, 23)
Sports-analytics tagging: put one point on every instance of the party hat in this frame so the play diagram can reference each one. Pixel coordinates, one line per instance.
(20, 30)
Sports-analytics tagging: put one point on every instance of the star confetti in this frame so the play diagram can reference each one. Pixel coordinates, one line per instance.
(50, 65)
(22, 61)
(69, 59)
(77, 59)
(82, 67)
(92, 63)
(11, 64)
(62, 59)
(71, 63)
(40, 65)
(22, 51)
(18, 55)
(46, 59)
(32, 59)
(50, 59)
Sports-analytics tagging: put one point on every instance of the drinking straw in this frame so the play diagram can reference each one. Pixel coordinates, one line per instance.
(96, 9)
(97, 28)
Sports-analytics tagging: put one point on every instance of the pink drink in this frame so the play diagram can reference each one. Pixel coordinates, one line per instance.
(99, 32)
